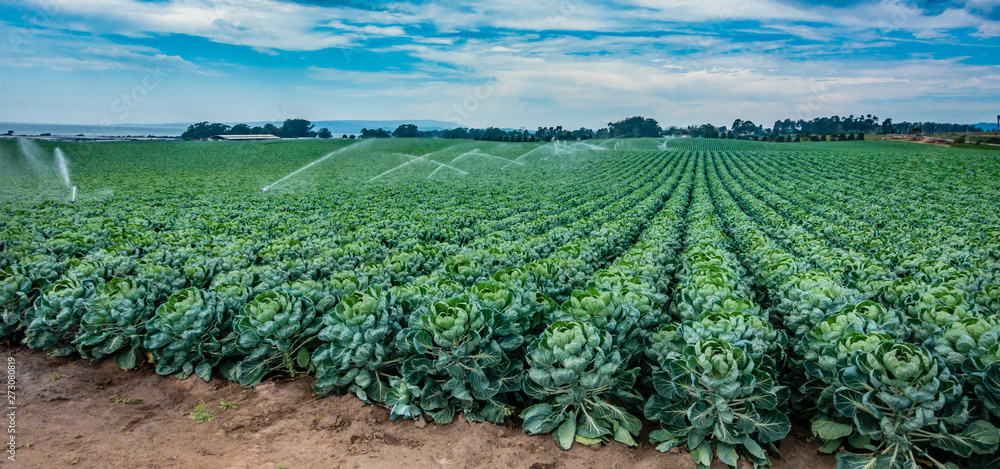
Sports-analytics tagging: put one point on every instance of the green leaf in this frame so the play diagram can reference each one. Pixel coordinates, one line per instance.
(982, 436)
(753, 448)
(702, 454)
(302, 359)
(537, 419)
(862, 461)
(127, 360)
(701, 415)
(830, 430)
(727, 454)
(203, 371)
(566, 432)
(848, 402)
(830, 446)
(772, 426)
(589, 427)
(622, 435)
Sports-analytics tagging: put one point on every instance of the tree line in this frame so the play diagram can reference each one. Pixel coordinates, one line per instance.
(291, 128)
(833, 128)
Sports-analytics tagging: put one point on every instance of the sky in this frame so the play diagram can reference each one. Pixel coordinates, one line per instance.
(506, 63)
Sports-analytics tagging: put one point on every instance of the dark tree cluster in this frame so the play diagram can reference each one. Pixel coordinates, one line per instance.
(291, 128)
(634, 127)
(375, 133)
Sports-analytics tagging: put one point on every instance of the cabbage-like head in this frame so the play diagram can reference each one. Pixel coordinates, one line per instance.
(180, 303)
(589, 305)
(512, 275)
(122, 288)
(971, 333)
(83, 268)
(934, 320)
(904, 364)
(717, 362)
(452, 319)
(271, 310)
(345, 282)
(733, 304)
(360, 307)
(493, 294)
(571, 340)
(234, 295)
(14, 286)
(859, 343)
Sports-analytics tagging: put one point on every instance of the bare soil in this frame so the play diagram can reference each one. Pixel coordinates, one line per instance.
(71, 413)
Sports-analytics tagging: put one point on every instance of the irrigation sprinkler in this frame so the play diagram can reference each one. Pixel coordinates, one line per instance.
(72, 195)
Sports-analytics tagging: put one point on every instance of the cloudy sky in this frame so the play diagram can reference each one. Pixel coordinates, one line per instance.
(508, 63)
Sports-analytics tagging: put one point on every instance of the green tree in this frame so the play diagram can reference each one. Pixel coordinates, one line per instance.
(324, 133)
(203, 130)
(635, 127)
(405, 131)
(240, 129)
(295, 128)
(375, 133)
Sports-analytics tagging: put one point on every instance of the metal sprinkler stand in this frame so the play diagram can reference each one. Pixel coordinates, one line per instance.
(72, 195)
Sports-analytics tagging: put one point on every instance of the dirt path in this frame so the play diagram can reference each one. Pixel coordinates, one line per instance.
(75, 414)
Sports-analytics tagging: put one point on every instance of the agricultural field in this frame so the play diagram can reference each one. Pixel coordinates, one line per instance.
(703, 298)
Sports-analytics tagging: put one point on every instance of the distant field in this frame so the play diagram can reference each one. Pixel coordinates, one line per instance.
(722, 290)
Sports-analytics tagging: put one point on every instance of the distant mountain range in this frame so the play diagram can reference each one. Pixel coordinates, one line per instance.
(987, 126)
(354, 127)
(175, 129)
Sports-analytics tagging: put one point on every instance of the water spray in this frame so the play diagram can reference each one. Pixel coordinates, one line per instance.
(72, 195)
(268, 187)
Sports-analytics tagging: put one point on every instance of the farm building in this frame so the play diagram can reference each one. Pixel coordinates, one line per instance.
(245, 137)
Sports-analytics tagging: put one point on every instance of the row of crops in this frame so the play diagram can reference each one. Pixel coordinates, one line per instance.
(715, 292)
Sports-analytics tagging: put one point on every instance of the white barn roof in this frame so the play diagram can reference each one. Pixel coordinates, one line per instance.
(246, 137)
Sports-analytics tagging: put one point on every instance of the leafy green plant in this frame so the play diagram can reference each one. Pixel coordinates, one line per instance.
(115, 322)
(275, 331)
(201, 413)
(185, 335)
(582, 383)
(715, 395)
(17, 291)
(902, 401)
(455, 359)
(357, 345)
(55, 318)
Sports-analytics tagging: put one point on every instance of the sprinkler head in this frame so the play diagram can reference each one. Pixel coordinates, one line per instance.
(263, 190)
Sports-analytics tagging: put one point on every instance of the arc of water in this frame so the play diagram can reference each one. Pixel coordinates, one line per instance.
(476, 152)
(297, 171)
(522, 156)
(63, 168)
(414, 159)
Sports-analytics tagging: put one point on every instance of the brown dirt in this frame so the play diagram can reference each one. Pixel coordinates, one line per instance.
(68, 417)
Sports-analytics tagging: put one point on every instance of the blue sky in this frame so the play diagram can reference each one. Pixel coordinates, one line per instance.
(508, 63)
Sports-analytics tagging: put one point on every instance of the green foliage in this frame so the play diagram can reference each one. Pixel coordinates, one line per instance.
(455, 358)
(902, 404)
(714, 394)
(276, 331)
(115, 322)
(56, 316)
(185, 335)
(582, 383)
(697, 280)
(356, 352)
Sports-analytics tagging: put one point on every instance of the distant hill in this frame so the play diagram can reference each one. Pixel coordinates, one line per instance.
(175, 129)
(987, 126)
(354, 127)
